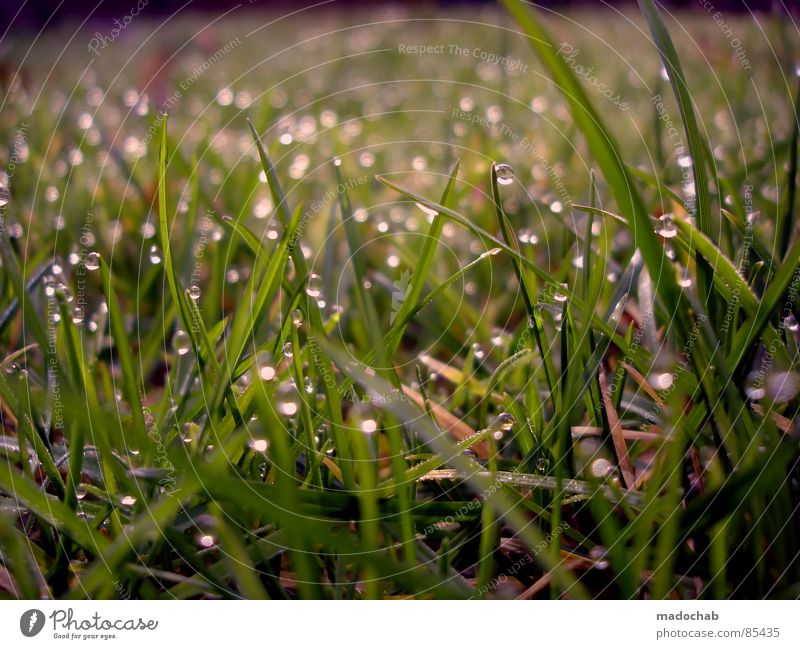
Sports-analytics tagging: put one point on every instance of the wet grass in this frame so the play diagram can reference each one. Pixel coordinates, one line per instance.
(355, 342)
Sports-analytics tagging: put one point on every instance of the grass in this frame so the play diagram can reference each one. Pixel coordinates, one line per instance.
(293, 342)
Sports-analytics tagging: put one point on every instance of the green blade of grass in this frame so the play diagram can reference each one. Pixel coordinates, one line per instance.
(52, 510)
(604, 149)
(422, 267)
(526, 284)
(698, 147)
(130, 384)
(498, 500)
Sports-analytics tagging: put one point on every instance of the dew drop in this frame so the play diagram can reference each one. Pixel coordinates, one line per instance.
(477, 351)
(128, 501)
(504, 173)
(666, 228)
(155, 255)
(189, 431)
(503, 424)
(598, 554)
(194, 292)
(314, 286)
(92, 261)
(288, 350)
(498, 337)
(790, 323)
(181, 342)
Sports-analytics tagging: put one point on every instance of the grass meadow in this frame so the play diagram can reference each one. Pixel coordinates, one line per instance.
(492, 302)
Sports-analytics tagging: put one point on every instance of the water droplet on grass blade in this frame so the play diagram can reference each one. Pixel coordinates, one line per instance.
(504, 173)
(314, 286)
(666, 228)
(754, 386)
(92, 261)
(155, 255)
(503, 424)
(189, 431)
(790, 323)
(181, 342)
(194, 292)
(598, 555)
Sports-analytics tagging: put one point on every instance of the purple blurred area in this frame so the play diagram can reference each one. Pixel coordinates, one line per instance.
(35, 15)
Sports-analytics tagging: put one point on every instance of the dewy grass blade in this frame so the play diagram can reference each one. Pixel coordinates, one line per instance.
(264, 283)
(525, 282)
(698, 147)
(497, 499)
(323, 363)
(604, 149)
(638, 356)
(420, 273)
